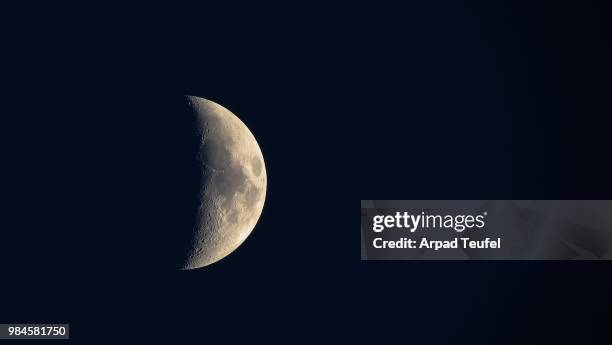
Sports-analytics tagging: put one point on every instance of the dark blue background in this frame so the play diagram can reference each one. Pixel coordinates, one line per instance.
(428, 100)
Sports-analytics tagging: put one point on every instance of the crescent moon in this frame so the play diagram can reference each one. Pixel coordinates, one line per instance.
(233, 186)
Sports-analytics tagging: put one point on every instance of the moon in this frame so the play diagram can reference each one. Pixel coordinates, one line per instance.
(234, 182)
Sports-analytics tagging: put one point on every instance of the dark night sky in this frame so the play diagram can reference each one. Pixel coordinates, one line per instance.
(432, 100)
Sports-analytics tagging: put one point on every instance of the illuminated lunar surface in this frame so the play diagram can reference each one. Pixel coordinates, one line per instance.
(233, 183)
